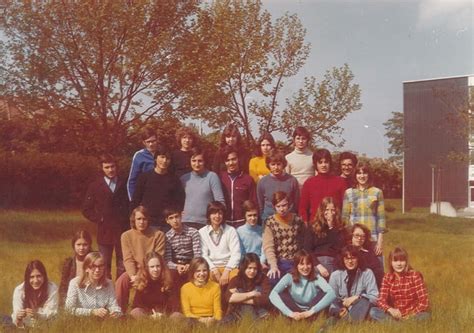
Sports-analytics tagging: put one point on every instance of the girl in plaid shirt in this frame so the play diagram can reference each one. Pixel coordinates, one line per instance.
(403, 293)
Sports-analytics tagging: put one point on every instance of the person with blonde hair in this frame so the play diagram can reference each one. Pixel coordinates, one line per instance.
(155, 293)
(136, 243)
(91, 293)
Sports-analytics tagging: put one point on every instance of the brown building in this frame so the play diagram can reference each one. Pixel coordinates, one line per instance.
(439, 141)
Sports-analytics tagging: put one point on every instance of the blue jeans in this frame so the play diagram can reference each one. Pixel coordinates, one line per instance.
(378, 314)
(328, 262)
(284, 266)
(357, 311)
(106, 250)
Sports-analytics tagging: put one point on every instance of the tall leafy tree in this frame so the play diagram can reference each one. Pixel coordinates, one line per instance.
(94, 68)
(239, 59)
(394, 131)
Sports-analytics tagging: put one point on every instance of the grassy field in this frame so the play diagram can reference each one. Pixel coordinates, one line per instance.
(441, 248)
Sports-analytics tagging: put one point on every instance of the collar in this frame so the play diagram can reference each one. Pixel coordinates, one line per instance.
(89, 284)
(109, 180)
(219, 231)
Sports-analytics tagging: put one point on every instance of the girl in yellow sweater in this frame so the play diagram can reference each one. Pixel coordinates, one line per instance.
(201, 298)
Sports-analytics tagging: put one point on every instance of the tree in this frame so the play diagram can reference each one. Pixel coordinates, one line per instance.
(92, 69)
(320, 107)
(394, 131)
(241, 58)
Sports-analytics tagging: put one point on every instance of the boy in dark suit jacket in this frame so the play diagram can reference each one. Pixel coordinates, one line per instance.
(106, 204)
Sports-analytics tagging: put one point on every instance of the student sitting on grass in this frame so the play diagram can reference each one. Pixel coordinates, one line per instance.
(248, 292)
(277, 180)
(136, 243)
(201, 297)
(91, 293)
(301, 293)
(325, 237)
(361, 240)
(155, 293)
(354, 285)
(35, 298)
(251, 232)
(403, 294)
(220, 245)
(283, 236)
(72, 266)
(183, 243)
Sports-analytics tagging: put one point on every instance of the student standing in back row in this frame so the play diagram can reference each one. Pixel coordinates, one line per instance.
(106, 205)
(300, 161)
(142, 160)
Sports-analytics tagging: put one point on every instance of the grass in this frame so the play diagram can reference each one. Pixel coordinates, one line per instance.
(441, 248)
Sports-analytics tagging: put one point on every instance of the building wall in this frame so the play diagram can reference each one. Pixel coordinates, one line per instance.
(433, 138)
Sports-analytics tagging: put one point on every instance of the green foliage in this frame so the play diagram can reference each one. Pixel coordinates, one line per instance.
(87, 70)
(394, 131)
(35, 179)
(428, 239)
(320, 107)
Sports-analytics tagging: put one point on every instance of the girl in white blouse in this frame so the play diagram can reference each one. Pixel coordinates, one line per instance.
(35, 298)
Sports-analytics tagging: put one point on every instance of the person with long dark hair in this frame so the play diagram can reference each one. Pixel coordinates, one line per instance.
(257, 165)
(403, 294)
(308, 292)
(248, 292)
(73, 266)
(35, 298)
(155, 292)
(354, 285)
(231, 138)
(91, 293)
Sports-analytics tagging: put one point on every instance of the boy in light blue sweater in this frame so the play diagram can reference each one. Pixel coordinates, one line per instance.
(250, 234)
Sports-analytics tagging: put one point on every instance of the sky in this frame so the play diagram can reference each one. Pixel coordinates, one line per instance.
(385, 43)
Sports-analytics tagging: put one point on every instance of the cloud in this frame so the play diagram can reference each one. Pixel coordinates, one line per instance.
(451, 14)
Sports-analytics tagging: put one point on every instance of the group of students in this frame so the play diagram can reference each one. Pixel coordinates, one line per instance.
(214, 246)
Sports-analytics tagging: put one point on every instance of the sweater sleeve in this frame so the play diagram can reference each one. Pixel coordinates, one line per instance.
(275, 297)
(128, 260)
(371, 291)
(328, 298)
(380, 227)
(205, 248)
(296, 194)
(185, 303)
(160, 241)
(17, 301)
(334, 282)
(234, 246)
(346, 207)
(421, 293)
(133, 176)
(382, 301)
(139, 190)
(216, 188)
(112, 304)
(260, 197)
(268, 244)
(253, 170)
(305, 201)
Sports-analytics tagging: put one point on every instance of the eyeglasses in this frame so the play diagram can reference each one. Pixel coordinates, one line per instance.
(94, 267)
(358, 236)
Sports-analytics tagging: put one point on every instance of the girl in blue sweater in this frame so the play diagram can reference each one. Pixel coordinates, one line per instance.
(301, 293)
